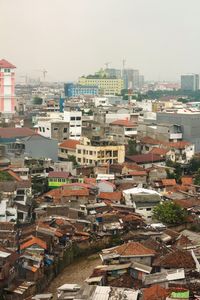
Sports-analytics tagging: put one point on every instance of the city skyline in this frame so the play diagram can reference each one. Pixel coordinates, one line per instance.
(70, 39)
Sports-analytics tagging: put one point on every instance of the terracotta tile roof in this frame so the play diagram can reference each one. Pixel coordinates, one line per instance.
(90, 180)
(131, 218)
(138, 173)
(150, 141)
(174, 234)
(80, 192)
(16, 132)
(60, 192)
(132, 166)
(125, 123)
(155, 292)
(6, 64)
(133, 249)
(187, 180)
(69, 144)
(176, 259)
(113, 196)
(145, 158)
(168, 182)
(54, 174)
(178, 145)
(159, 151)
(33, 241)
(187, 203)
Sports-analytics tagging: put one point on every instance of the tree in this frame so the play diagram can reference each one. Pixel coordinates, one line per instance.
(132, 147)
(194, 165)
(177, 173)
(197, 178)
(169, 213)
(72, 158)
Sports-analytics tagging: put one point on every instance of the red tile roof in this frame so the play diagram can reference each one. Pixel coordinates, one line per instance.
(138, 173)
(132, 249)
(155, 292)
(178, 145)
(16, 132)
(187, 180)
(69, 144)
(32, 241)
(113, 196)
(168, 182)
(125, 123)
(6, 64)
(150, 141)
(54, 174)
(146, 158)
(160, 151)
(176, 259)
(90, 180)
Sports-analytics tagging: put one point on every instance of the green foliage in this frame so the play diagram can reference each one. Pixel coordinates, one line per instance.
(73, 159)
(37, 100)
(194, 165)
(197, 178)
(5, 176)
(132, 150)
(169, 213)
(177, 173)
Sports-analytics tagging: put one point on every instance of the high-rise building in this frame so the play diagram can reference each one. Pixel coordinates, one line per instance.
(190, 82)
(113, 73)
(7, 87)
(131, 78)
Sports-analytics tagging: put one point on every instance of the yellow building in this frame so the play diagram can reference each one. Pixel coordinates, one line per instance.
(107, 86)
(88, 154)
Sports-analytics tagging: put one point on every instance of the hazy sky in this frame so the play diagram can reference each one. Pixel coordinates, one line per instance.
(70, 38)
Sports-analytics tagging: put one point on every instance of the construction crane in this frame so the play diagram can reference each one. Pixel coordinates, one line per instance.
(107, 64)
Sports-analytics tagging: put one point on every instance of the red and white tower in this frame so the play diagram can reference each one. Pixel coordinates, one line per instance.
(7, 87)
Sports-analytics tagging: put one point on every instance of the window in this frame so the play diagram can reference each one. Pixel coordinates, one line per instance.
(65, 130)
(79, 151)
(72, 119)
(148, 209)
(78, 118)
(55, 128)
(43, 129)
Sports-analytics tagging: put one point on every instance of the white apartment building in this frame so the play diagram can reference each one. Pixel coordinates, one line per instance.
(74, 118)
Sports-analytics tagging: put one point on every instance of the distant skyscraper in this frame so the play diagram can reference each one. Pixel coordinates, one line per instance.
(7, 87)
(113, 73)
(131, 78)
(190, 82)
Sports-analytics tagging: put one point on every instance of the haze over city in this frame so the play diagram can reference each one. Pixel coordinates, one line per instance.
(72, 38)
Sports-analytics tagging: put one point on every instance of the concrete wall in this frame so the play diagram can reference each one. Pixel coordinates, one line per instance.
(189, 122)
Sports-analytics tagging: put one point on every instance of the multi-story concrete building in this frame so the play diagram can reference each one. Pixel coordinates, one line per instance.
(7, 87)
(107, 86)
(113, 73)
(76, 90)
(122, 130)
(74, 118)
(131, 78)
(189, 122)
(54, 129)
(103, 153)
(190, 82)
